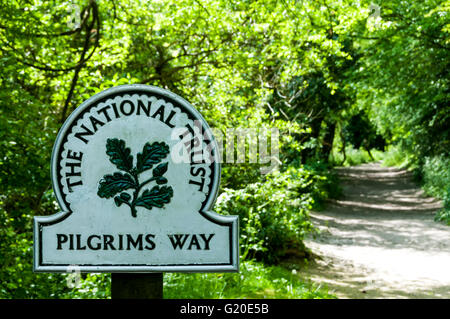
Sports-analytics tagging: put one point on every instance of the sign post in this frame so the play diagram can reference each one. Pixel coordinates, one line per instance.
(137, 286)
(136, 172)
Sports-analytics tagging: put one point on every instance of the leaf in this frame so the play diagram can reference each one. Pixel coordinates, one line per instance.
(125, 196)
(160, 170)
(151, 154)
(119, 154)
(110, 185)
(156, 197)
(122, 198)
(161, 180)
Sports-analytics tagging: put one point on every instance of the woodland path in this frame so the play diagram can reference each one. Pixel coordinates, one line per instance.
(379, 240)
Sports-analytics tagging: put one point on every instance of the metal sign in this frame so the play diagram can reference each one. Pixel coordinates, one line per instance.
(135, 170)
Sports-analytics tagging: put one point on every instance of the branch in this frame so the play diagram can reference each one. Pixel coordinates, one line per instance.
(92, 5)
(82, 60)
(51, 35)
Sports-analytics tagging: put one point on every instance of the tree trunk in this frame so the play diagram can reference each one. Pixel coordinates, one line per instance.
(343, 146)
(315, 130)
(327, 143)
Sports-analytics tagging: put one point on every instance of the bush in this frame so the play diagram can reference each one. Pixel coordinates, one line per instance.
(436, 182)
(273, 215)
(326, 183)
(436, 176)
(91, 286)
(443, 215)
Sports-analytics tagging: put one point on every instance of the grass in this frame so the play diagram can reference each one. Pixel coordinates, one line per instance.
(354, 156)
(254, 280)
(394, 156)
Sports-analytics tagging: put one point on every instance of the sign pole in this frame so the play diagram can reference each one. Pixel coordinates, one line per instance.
(137, 285)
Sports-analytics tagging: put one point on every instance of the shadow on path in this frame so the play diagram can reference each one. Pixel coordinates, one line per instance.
(380, 240)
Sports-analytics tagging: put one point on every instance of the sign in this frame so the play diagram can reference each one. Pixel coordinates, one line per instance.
(135, 170)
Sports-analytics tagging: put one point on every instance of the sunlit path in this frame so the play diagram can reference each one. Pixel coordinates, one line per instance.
(380, 240)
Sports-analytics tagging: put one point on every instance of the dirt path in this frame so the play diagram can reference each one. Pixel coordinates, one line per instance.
(379, 240)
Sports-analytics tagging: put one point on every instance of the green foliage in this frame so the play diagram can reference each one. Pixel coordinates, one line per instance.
(326, 183)
(406, 91)
(17, 279)
(90, 286)
(354, 156)
(443, 215)
(274, 214)
(402, 80)
(435, 174)
(394, 156)
(254, 281)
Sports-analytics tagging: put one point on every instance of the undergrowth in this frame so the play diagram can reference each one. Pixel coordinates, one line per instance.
(254, 280)
(354, 156)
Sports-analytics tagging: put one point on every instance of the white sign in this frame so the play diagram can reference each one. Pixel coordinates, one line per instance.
(135, 170)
